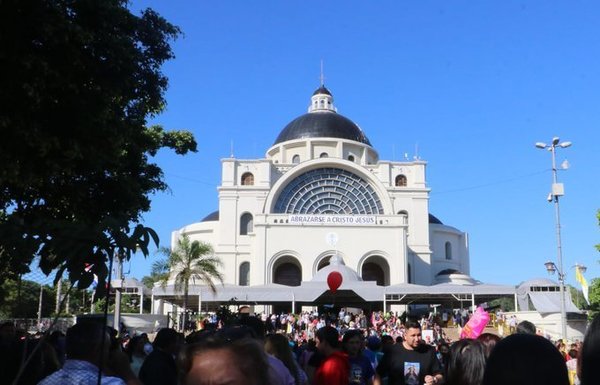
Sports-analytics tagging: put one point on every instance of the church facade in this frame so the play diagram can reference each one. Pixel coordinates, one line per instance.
(322, 191)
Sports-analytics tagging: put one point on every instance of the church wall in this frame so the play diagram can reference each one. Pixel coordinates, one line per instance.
(440, 235)
(354, 244)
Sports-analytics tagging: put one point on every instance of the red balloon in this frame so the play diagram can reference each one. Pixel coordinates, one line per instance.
(334, 280)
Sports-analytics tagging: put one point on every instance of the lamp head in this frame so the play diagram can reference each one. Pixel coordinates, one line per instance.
(582, 269)
(550, 267)
(555, 140)
(565, 144)
(541, 145)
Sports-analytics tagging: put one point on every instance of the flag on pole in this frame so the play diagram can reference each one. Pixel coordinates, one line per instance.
(584, 285)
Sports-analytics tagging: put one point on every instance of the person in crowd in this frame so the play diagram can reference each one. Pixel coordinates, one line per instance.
(87, 345)
(215, 360)
(512, 324)
(572, 367)
(467, 363)
(278, 372)
(39, 355)
(278, 346)
(361, 368)
(410, 362)
(307, 352)
(57, 341)
(443, 355)
(159, 367)
(526, 327)
(562, 348)
(488, 340)
(335, 368)
(589, 354)
(135, 352)
(525, 359)
(373, 346)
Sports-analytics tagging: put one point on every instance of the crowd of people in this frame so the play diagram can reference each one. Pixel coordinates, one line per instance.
(348, 349)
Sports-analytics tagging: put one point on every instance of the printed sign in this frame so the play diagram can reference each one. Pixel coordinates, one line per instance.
(339, 220)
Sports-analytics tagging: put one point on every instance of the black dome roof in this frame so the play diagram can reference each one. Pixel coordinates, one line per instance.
(433, 219)
(322, 90)
(214, 216)
(322, 125)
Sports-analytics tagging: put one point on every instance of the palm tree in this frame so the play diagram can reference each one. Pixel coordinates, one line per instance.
(191, 261)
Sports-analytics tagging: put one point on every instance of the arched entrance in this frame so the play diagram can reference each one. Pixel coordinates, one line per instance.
(376, 268)
(287, 271)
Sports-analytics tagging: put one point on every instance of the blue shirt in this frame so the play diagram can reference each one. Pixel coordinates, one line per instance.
(78, 372)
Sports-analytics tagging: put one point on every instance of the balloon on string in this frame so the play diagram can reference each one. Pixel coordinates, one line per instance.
(334, 280)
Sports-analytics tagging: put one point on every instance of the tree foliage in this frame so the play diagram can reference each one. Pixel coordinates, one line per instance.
(79, 81)
(21, 299)
(191, 262)
(598, 216)
(159, 273)
(594, 294)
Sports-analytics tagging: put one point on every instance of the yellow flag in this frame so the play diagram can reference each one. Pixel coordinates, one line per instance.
(584, 285)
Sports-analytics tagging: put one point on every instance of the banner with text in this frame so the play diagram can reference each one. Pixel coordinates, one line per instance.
(342, 220)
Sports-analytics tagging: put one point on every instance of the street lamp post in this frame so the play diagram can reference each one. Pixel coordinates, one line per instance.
(557, 191)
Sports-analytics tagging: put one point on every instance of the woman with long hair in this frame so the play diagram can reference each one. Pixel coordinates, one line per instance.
(466, 365)
(278, 345)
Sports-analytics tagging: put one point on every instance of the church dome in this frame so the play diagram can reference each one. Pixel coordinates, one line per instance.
(322, 125)
(336, 263)
(322, 121)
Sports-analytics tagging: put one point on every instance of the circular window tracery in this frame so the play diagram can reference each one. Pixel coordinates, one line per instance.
(328, 191)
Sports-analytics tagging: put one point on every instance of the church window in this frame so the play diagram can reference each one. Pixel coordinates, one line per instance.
(404, 214)
(246, 224)
(409, 273)
(401, 181)
(247, 179)
(328, 191)
(296, 159)
(351, 158)
(323, 155)
(244, 278)
(448, 250)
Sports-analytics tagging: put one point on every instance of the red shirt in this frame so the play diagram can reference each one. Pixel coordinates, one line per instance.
(334, 370)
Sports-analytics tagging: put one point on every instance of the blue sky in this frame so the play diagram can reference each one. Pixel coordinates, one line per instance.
(469, 87)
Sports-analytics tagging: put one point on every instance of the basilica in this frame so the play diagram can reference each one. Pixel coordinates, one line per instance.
(322, 191)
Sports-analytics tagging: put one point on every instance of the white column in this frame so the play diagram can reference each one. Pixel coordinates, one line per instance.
(141, 301)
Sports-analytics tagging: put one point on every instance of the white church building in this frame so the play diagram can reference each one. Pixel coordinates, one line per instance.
(321, 190)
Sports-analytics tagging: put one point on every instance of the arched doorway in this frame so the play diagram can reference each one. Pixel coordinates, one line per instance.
(287, 271)
(376, 269)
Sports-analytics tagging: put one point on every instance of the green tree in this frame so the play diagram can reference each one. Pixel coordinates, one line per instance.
(158, 273)
(191, 261)
(598, 217)
(577, 297)
(79, 81)
(22, 299)
(594, 295)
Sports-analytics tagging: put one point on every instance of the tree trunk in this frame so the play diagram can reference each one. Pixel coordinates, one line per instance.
(185, 301)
